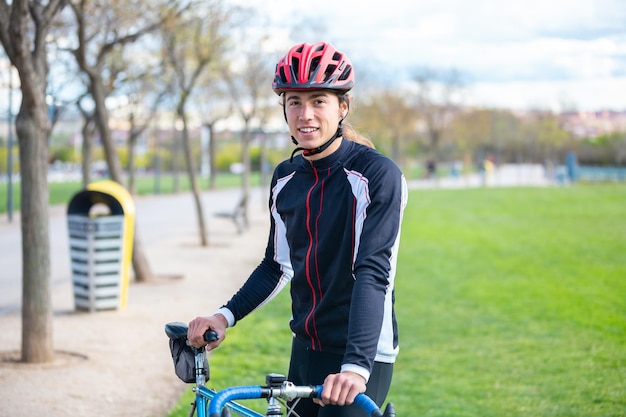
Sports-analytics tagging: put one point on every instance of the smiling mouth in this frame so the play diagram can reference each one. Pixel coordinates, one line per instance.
(307, 129)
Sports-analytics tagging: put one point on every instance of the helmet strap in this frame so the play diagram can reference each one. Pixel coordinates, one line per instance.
(319, 149)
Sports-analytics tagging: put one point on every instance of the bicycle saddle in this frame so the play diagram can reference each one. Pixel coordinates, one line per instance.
(176, 330)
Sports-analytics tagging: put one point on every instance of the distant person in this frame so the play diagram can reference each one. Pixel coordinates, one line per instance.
(455, 170)
(431, 169)
(336, 211)
(488, 169)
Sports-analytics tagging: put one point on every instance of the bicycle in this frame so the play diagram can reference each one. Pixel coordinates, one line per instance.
(278, 391)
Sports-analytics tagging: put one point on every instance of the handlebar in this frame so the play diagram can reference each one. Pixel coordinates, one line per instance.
(210, 336)
(277, 386)
(288, 391)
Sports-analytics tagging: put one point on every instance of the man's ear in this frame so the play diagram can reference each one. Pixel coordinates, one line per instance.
(344, 105)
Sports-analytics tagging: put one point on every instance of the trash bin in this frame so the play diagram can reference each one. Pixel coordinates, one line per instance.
(100, 222)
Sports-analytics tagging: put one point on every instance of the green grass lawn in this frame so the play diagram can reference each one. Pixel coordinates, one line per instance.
(510, 302)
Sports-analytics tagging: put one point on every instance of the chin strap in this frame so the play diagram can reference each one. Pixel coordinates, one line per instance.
(319, 149)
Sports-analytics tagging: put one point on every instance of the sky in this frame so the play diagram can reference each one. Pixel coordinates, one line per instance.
(548, 54)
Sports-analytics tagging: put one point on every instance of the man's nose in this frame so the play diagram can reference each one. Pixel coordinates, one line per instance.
(306, 112)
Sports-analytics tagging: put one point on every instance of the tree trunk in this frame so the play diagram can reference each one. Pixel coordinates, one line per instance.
(132, 145)
(175, 160)
(245, 156)
(32, 132)
(102, 121)
(143, 273)
(265, 172)
(191, 171)
(212, 163)
(87, 132)
(467, 166)
(24, 27)
(140, 261)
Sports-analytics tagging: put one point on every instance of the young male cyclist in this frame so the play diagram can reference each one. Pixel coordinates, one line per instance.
(336, 212)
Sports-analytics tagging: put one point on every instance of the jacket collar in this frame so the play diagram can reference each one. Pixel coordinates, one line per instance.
(331, 159)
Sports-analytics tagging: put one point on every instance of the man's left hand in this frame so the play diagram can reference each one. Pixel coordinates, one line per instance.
(341, 389)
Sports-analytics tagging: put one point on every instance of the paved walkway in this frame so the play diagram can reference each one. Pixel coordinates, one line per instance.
(117, 363)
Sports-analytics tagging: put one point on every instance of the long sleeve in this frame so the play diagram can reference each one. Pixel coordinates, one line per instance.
(371, 333)
(265, 282)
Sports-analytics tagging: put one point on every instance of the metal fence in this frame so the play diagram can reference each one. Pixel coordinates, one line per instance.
(599, 174)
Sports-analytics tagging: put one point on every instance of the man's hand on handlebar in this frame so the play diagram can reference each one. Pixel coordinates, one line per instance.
(200, 325)
(341, 389)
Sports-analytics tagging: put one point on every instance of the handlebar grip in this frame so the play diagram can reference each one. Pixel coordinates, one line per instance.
(210, 336)
(366, 403)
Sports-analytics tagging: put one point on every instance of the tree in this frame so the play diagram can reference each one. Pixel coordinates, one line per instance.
(390, 120)
(138, 118)
(191, 44)
(250, 91)
(470, 131)
(24, 26)
(103, 30)
(88, 131)
(211, 98)
(436, 101)
(544, 136)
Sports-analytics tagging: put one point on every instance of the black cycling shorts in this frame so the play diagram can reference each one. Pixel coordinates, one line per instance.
(310, 367)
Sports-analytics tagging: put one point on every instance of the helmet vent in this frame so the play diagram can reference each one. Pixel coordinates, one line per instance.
(329, 71)
(295, 64)
(344, 75)
(315, 62)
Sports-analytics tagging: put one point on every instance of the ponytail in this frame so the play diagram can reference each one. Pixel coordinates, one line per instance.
(352, 135)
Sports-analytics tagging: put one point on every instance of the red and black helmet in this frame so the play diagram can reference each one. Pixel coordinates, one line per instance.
(313, 67)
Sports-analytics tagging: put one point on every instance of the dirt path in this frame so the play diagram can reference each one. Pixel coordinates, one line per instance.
(117, 363)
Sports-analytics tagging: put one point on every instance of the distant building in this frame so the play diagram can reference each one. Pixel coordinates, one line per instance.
(590, 124)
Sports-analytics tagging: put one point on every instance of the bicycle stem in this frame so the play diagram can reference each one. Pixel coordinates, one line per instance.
(200, 361)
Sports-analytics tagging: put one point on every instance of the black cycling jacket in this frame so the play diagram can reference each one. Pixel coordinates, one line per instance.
(334, 236)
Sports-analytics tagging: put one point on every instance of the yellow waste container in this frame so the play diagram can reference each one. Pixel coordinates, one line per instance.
(100, 221)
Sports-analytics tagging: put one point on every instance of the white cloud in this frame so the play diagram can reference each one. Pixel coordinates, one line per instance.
(555, 95)
(539, 49)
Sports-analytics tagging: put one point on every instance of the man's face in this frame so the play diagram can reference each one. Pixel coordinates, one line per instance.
(313, 116)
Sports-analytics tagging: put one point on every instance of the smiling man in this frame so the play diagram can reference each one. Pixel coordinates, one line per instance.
(336, 212)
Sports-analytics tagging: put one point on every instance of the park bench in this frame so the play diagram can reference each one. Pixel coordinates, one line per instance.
(238, 215)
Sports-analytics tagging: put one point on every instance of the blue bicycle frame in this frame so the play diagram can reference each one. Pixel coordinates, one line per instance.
(204, 396)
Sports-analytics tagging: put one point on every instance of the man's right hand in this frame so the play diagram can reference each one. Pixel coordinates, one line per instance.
(199, 326)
